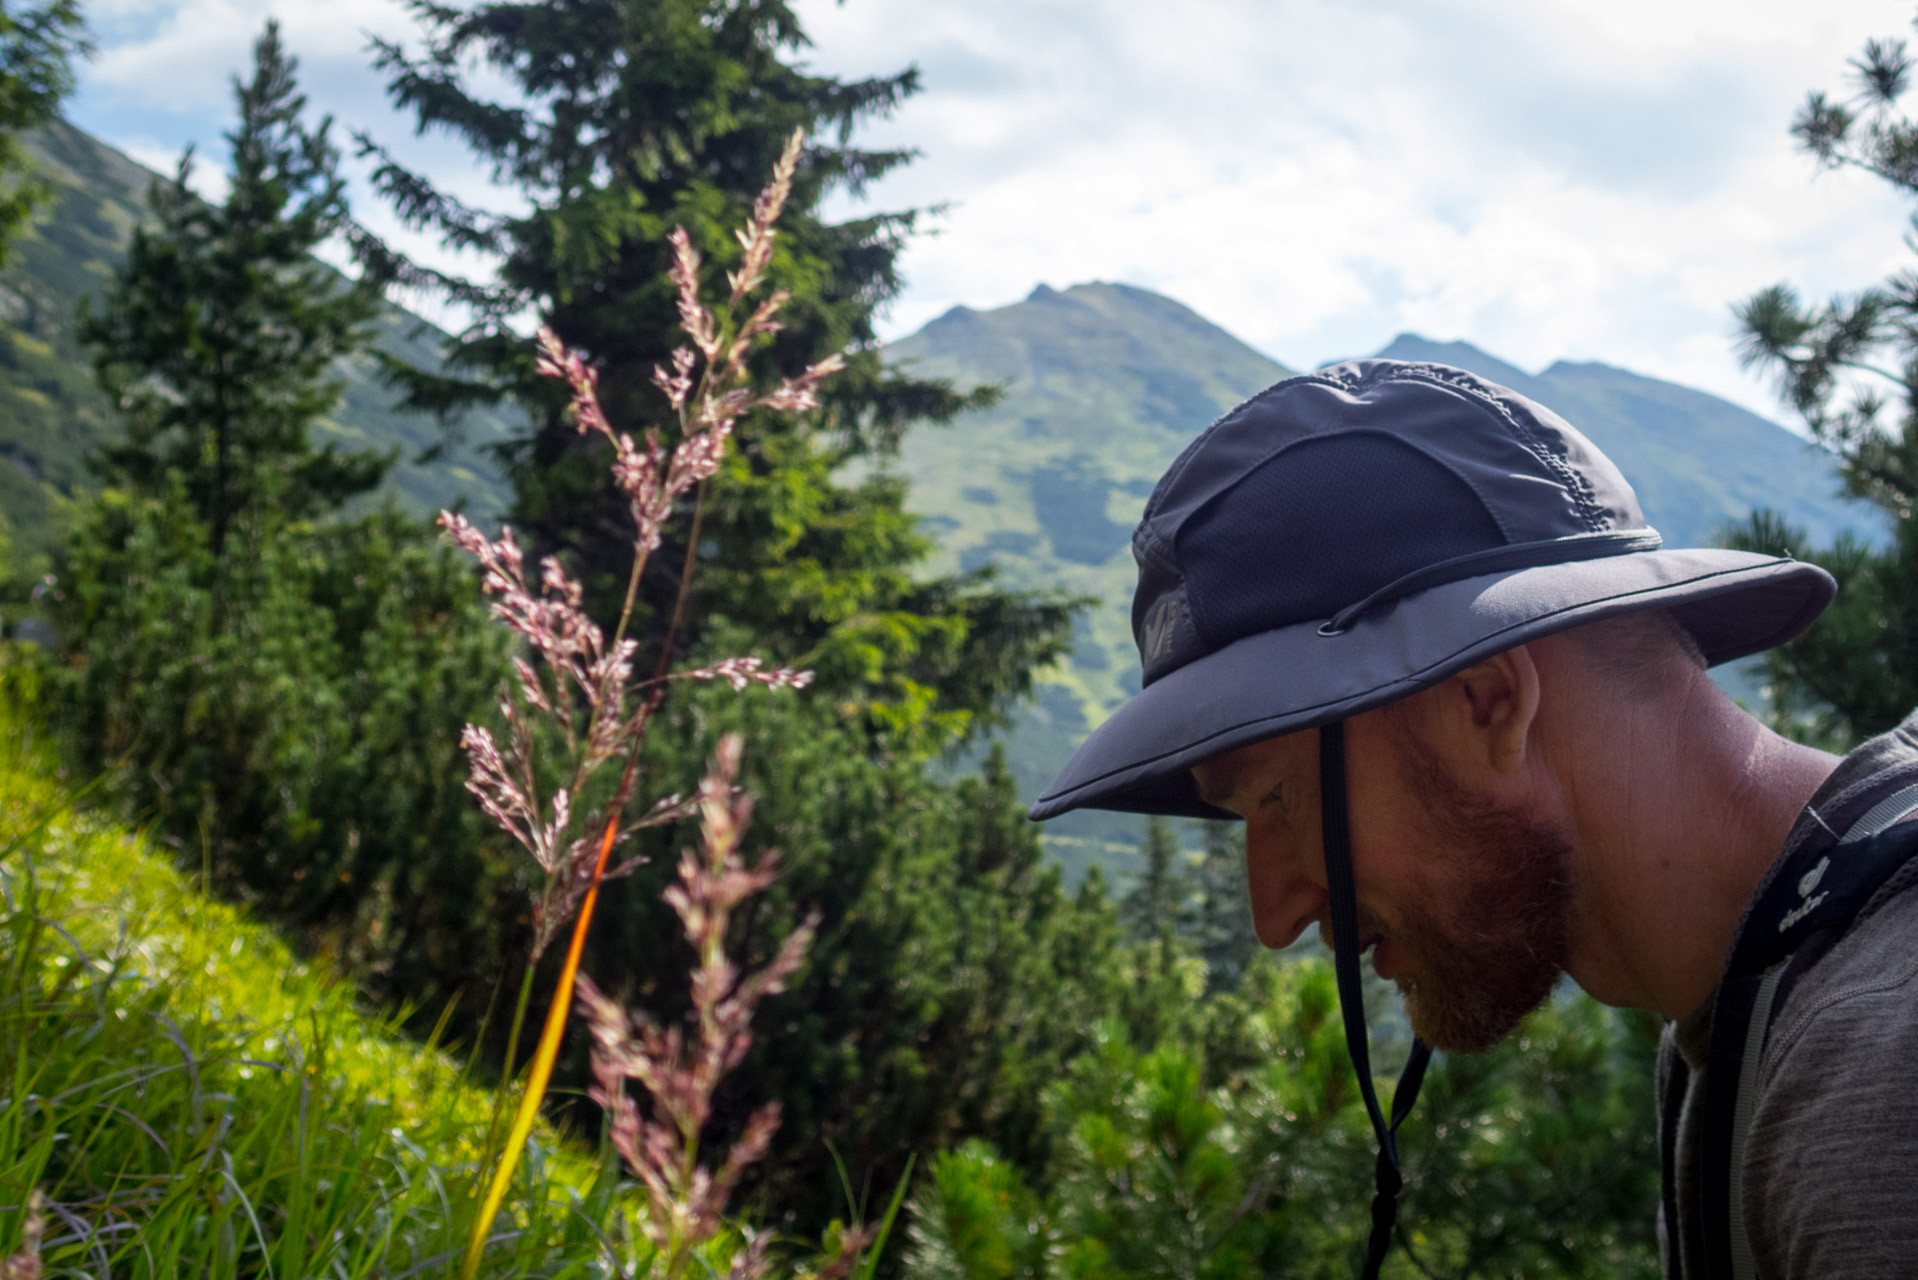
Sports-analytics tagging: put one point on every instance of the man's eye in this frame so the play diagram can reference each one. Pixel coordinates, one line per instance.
(1276, 796)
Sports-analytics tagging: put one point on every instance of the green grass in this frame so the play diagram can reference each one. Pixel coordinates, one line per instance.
(195, 1100)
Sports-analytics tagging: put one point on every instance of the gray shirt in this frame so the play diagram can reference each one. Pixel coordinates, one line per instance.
(1831, 1167)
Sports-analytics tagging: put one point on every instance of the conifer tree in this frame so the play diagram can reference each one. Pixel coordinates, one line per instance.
(951, 978)
(622, 119)
(38, 43)
(1221, 928)
(216, 337)
(275, 687)
(1849, 368)
(1155, 907)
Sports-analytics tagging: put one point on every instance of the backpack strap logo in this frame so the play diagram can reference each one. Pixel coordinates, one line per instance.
(1807, 904)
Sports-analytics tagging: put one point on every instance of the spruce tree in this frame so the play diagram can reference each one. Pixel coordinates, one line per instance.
(1849, 368)
(38, 44)
(277, 689)
(216, 337)
(951, 978)
(1221, 924)
(1154, 909)
(622, 119)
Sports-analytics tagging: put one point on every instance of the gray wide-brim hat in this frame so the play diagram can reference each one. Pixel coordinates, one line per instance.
(1350, 537)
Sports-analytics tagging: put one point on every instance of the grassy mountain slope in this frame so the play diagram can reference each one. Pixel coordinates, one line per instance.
(52, 415)
(1104, 384)
(198, 1101)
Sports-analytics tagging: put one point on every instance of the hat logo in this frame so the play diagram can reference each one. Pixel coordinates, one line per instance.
(1155, 638)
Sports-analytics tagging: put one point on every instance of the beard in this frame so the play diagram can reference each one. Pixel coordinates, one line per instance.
(1487, 937)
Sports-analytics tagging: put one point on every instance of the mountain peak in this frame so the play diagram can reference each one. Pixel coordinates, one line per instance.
(1460, 355)
(1086, 332)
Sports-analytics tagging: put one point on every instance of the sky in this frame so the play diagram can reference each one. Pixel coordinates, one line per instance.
(1546, 179)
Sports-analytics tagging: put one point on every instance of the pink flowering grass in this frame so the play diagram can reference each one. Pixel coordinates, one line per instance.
(579, 681)
(25, 1264)
(680, 1067)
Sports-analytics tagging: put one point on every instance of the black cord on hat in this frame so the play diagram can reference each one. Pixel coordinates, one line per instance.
(1337, 838)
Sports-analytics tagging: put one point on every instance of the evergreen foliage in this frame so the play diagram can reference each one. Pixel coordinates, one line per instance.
(1537, 1159)
(1849, 368)
(1157, 906)
(951, 980)
(290, 714)
(280, 693)
(38, 43)
(218, 332)
(951, 977)
(1855, 672)
(625, 118)
(1185, 906)
(1221, 929)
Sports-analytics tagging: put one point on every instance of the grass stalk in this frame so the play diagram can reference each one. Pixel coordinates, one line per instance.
(508, 1069)
(540, 1072)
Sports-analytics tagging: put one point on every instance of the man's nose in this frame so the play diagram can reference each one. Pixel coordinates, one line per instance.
(1286, 896)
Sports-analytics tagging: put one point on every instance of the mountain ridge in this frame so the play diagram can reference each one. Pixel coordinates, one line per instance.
(1047, 483)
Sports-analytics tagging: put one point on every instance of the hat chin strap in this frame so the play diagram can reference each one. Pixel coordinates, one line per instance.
(1337, 838)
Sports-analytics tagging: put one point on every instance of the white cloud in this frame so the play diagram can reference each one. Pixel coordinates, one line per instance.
(181, 57)
(1544, 178)
(163, 79)
(208, 179)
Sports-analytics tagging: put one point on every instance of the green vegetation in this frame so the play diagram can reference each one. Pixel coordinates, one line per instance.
(642, 116)
(54, 417)
(274, 686)
(1849, 368)
(951, 975)
(38, 43)
(215, 338)
(292, 712)
(267, 664)
(1249, 1154)
(199, 1100)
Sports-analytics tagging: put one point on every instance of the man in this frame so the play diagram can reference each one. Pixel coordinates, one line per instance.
(1413, 630)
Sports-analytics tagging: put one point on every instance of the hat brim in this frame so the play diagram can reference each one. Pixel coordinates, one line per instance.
(1277, 682)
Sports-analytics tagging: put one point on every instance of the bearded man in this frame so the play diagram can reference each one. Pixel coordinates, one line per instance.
(1412, 628)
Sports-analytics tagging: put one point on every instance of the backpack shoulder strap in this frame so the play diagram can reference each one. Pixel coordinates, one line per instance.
(1805, 908)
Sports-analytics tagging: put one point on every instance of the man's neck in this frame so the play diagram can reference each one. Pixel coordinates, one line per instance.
(1676, 825)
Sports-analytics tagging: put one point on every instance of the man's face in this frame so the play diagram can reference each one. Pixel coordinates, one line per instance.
(1466, 899)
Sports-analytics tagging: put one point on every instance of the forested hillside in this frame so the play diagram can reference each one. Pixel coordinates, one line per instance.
(52, 414)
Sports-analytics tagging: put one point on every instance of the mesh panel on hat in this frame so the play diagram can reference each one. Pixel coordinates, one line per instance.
(1320, 525)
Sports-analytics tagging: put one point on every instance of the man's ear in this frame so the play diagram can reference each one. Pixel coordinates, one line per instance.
(1491, 708)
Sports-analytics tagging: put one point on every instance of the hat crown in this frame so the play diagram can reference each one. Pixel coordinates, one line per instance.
(1328, 490)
